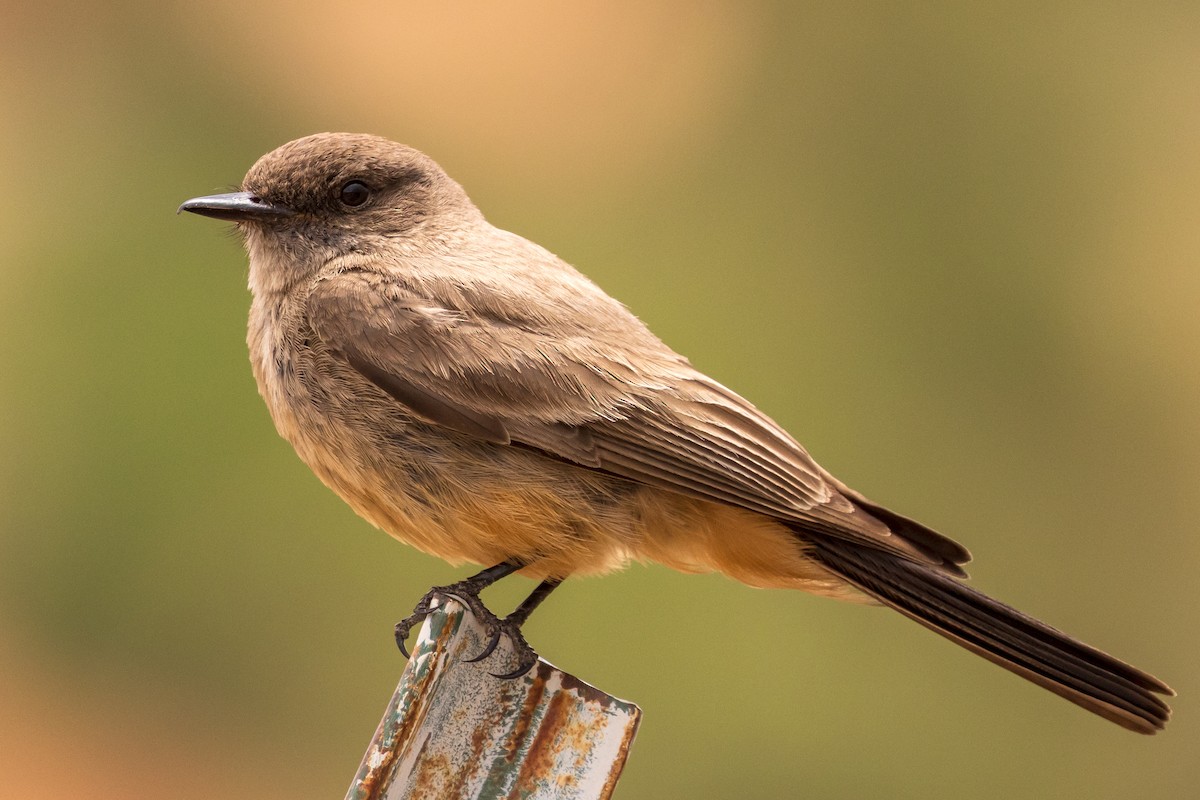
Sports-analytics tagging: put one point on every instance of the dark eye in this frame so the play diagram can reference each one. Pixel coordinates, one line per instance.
(354, 193)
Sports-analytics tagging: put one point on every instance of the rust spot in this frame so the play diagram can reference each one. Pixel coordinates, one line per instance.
(430, 779)
(618, 764)
(479, 743)
(539, 761)
(586, 691)
(533, 698)
(390, 742)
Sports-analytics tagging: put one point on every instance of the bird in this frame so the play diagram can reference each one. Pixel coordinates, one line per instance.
(476, 397)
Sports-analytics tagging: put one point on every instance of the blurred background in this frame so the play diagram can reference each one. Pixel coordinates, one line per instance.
(952, 247)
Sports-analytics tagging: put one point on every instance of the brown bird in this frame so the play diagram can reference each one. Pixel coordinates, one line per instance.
(473, 395)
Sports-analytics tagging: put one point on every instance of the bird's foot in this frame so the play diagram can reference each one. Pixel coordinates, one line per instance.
(404, 627)
(467, 592)
(526, 657)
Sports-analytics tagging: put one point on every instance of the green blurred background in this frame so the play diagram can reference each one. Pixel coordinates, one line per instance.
(952, 247)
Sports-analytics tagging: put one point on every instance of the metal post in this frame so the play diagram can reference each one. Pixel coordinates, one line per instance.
(452, 730)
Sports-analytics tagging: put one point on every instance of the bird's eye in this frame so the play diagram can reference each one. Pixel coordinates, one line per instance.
(354, 193)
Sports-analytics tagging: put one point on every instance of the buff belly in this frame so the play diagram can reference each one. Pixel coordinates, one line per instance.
(468, 501)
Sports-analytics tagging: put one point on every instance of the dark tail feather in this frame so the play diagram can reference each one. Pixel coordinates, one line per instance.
(1069, 668)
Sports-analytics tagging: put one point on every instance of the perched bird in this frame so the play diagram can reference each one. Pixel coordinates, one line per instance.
(475, 396)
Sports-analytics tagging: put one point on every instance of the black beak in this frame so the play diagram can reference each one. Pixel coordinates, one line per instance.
(235, 207)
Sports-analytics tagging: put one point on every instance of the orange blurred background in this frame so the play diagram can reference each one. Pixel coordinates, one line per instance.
(953, 248)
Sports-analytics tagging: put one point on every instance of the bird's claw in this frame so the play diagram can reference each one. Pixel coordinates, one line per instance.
(490, 648)
(526, 656)
(404, 627)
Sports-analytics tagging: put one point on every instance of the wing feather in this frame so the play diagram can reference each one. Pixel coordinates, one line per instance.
(577, 397)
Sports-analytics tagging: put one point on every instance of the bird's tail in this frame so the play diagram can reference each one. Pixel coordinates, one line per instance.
(1019, 643)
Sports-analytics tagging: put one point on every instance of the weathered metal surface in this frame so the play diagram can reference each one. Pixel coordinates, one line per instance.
(452, 730)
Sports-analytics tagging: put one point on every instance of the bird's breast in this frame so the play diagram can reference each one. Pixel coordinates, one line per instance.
(445, 493)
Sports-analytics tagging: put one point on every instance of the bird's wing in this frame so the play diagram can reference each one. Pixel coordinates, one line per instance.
(633, 409)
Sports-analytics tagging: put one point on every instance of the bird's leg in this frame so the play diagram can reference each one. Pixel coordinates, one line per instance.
(511, 626)
(543, 590)
(465, 590)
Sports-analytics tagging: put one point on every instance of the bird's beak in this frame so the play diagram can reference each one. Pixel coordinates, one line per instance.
(235, 207)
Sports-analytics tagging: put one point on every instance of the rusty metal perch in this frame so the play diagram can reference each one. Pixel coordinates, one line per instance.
(452, 730)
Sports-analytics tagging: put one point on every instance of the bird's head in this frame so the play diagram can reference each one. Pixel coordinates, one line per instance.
(331, 195)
